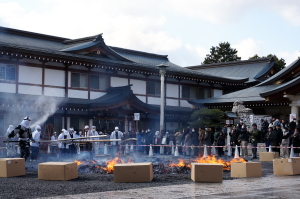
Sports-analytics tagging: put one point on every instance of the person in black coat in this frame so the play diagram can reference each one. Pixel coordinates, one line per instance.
(195, 141)
(221, 142)
(293, 124)
(296, 140)
(148, 139)
(278, 140)
(234, 135)
(244, 138)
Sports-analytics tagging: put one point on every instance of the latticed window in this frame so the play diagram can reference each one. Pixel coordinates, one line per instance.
(204, 93)
(8, 72)
(153, 88)
(79, 80)
(189, 92)
(99, 82)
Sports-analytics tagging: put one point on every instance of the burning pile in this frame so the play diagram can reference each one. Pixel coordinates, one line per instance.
(213, 160)
(165, 167)
(98, 167)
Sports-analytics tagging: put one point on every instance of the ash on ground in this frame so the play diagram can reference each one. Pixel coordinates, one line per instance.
(29, 186)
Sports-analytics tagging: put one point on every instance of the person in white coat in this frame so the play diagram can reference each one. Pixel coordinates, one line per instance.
(116, 134)
(54, 144)
(95, 144)
(35, 146)
(10, 146)
(64, 145)
(72, 146)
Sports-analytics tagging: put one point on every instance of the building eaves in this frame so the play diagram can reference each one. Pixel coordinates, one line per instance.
(251, 94)
(176, 70)
(282, 87)
(281, 73)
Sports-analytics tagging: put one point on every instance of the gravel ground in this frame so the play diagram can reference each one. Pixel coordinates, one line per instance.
(29, 186)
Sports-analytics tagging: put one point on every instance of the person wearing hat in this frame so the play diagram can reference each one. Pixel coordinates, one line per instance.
(72, 146)
(116, 134)
(54, 146)
(25, 136)
(254, 137)
(35, 146)
(88, 146)
(64, 145)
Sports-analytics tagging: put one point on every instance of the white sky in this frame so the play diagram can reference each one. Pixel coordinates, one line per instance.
(183, 29)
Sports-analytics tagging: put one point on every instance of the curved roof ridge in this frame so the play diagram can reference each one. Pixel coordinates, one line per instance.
(280, 74)
(231, 63)
(136, 52)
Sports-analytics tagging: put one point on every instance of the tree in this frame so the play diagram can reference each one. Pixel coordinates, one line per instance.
(205, 116)
(280, 62)
(221, 53)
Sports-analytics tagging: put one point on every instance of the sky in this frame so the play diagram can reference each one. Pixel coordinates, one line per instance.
(183, 30)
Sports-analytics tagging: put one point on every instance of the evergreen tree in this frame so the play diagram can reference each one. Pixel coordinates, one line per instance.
(205, 116)
(221, 53)
(280, 62)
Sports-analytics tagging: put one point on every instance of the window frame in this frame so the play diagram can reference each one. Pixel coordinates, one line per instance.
(79, 87)
(5, 72)
(106, 79)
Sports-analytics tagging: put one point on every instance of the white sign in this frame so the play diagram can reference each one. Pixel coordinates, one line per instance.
(292, 116)
(251, 119)
(137, 116)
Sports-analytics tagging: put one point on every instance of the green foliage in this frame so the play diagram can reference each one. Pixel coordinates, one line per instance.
(205, 116)
(221, 53)
(280, 62)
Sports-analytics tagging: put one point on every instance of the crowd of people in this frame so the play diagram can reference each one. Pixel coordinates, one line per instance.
(189, 141)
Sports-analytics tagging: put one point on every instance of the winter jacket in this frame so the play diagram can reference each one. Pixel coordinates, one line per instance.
(194, 137)
(234, 135)
(243, 134)
(207, 137)
(188, 140)
(254, 135)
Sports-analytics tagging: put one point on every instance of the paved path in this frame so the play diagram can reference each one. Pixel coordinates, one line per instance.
(265, 187)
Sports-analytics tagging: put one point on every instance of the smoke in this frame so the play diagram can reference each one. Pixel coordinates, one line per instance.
(46, 107)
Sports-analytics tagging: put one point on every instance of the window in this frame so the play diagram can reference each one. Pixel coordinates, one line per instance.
(79, 80)
(204, 93)
(153, 88)
(8, 72)
(189, 92)
(99, 82)
(57, 123)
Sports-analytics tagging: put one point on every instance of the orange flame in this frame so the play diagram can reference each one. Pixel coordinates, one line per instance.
(111, 163)
(181, 163)
(78, 162)
(213, 160)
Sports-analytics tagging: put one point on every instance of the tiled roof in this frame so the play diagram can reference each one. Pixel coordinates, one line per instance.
(251, 94)
(28, 42)
(252, 69)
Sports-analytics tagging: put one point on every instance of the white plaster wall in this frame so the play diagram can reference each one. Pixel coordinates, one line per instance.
(77, 94)
(172, 90)
(94, 95)
(54, 77)
(172, 102)
(138, 86)
(31, 75)
(31, 90)
(56, 92)
(184, 103)
(117, 81)
(217, 93)
(171, 125)
(154, 100)
(142, 98)
(7, 88)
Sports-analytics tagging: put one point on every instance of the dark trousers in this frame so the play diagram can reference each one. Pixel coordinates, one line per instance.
(64, 152)
(254, 150)
(220, 150)
(35, 151)
(73, 150)
(25, 152)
